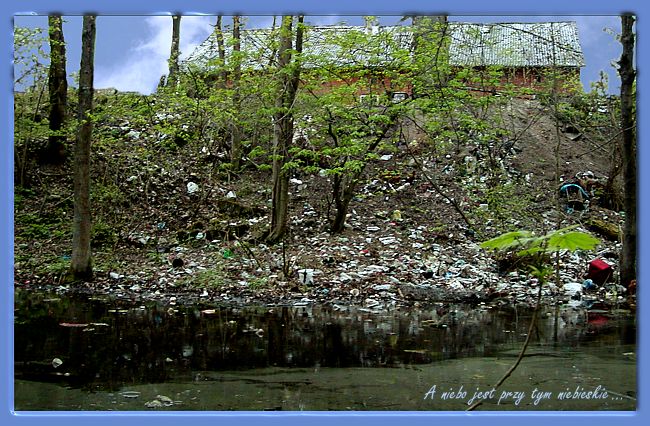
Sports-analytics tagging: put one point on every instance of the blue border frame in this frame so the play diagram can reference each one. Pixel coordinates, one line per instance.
(338, 7)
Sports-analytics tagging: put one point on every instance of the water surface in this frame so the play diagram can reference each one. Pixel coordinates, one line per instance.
(121, 355)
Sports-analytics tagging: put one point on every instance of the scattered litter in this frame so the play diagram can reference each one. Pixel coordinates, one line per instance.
(130, 394)
(159, 402)
(192, 188)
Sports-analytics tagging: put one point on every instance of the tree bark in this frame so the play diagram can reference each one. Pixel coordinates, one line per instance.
(81, 267)
(223, 75)
(283, 125)
(58, 91)
(344, 187)
(172, 80)
(236, 148)
(343, 193)
(628, 125)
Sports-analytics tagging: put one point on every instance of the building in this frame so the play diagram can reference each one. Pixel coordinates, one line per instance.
(526, 52)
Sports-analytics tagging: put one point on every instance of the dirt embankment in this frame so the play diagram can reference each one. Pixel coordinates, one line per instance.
(170, 228)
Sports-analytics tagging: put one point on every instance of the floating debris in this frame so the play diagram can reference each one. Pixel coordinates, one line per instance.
(73, 325)
(130, 394)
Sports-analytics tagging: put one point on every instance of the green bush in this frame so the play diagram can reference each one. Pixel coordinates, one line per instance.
(102, 235)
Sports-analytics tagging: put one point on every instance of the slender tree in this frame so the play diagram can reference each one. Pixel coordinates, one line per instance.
(628, 76)
(58, 91)
(223, 75)
(81, 265)
(289, 77)
(236, 147)
(175, 51)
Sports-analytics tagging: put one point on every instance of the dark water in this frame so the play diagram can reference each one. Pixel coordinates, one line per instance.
(117, 355)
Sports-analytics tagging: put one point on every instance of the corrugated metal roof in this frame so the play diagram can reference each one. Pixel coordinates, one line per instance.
(506, 44)
(516, 44)
(321, 45)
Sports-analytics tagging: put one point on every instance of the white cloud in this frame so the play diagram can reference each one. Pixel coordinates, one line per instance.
(147, 62)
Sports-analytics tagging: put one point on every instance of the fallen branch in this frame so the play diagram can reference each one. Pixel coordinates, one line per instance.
(521, 353)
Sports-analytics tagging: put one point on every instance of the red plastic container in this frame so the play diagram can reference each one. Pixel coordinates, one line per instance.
(599, 271)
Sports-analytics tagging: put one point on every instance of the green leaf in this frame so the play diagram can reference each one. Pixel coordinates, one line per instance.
(530, 251)
(508, 240)
(572, 241)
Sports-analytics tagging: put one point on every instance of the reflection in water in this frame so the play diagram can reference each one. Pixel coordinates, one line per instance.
(108, 345)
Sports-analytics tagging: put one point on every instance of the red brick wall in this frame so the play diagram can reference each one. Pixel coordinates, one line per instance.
(533, 78)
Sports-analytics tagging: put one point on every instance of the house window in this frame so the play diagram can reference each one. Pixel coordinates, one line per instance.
(399, 97)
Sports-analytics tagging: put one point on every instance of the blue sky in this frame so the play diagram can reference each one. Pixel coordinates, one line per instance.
(131, 51)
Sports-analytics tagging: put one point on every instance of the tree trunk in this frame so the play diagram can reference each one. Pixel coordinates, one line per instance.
(343, 194)
(81, 267)
(283, 126)
(344, 187)
(223, 75)
(172, 80)
(58, 90)
(236, 148)
(628, 123)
